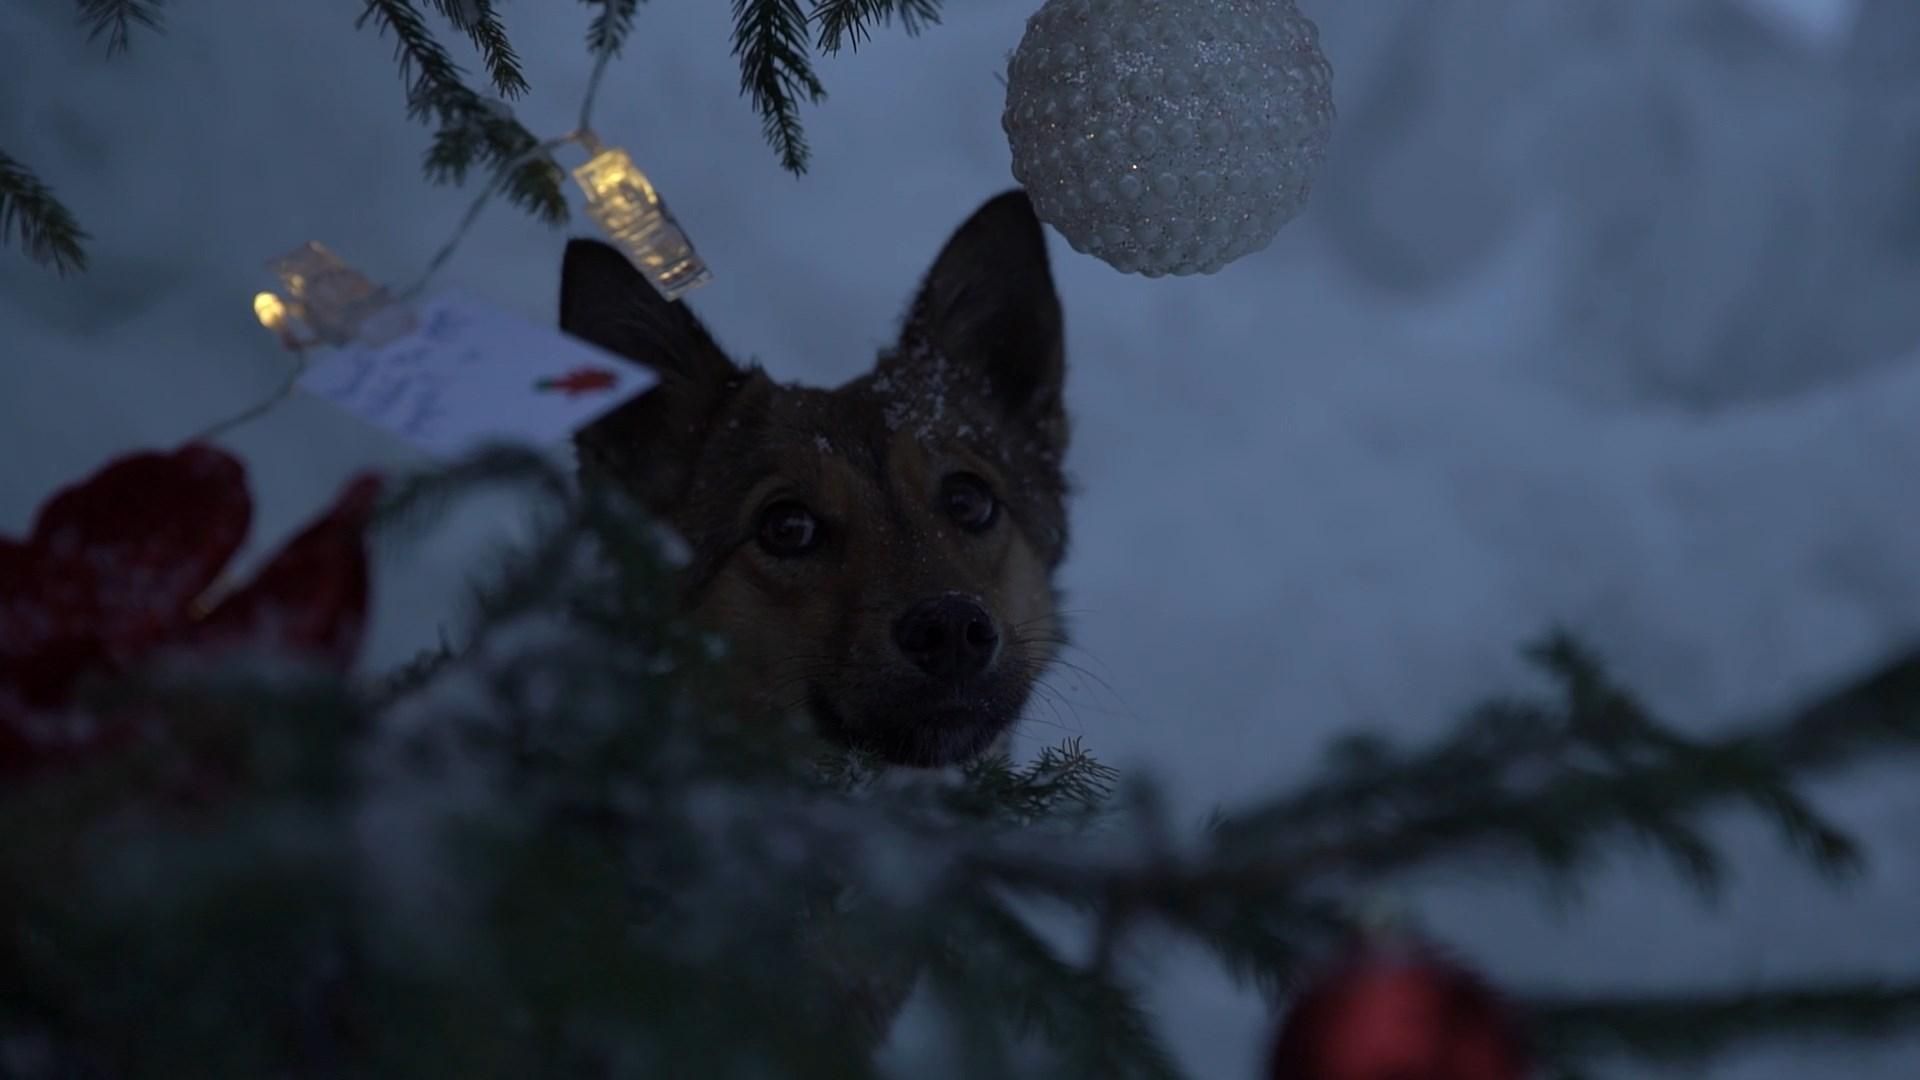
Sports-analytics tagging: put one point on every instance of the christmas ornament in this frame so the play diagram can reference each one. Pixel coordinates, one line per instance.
(118, 568)
(1389, 1012)
(1168, 137)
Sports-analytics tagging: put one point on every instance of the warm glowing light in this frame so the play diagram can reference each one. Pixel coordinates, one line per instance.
(627, 207)
(333, 300)
(271, 311)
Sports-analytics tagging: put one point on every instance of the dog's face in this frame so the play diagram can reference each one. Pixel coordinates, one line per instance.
(880, 557)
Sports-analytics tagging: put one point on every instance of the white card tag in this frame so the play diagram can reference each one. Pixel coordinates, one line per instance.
(468, 374)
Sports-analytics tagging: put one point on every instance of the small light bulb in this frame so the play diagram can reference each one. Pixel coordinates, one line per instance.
(271, 311)
(333, 300)
(626, 205)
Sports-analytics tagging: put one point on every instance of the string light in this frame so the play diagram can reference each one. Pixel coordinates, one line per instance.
(626, 206)
(334, 304)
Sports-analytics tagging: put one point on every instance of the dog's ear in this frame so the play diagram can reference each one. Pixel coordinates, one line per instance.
(605, 300)
(988, 309)
(647, 444)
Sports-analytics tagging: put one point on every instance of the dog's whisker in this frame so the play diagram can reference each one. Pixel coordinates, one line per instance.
(1090, 675)
(1058, 702)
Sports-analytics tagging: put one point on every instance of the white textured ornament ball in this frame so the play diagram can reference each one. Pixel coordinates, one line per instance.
(1168, 136)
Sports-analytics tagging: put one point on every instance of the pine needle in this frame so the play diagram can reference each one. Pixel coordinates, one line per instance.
(770, 41)
(115, 20)
(33, 218)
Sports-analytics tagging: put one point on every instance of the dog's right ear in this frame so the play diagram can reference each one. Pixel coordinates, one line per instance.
(988, 307)
(647, 444)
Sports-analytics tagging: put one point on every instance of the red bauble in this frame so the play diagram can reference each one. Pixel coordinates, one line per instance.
(112, 570)
(1399, 1014)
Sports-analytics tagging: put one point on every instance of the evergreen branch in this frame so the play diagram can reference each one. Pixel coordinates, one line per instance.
(1553, 782)
(608, 32)
(848, 23)
(414, 675)
(484, 132)
(770, 41)
(433, 79)
(629, 868)
(482, 25)
(1462, 797)
(472, 130)
(1692, 1028)
(421, 500)
(1094, 1023)
(1263, 937)
(979, 1038)
(115, 19)
(31, 216)
(1862, 717)
(1061, 777)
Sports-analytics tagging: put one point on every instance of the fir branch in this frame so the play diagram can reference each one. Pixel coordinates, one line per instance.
(1263, 937)
(998, 964)
(630, 867)
(434, 82)
(115, 20)
(1389, 812)
(848, 23)
(770, 41)
(1061, 780)
(1553, 782)
(414, 675)
(31, 216)
(423, 499)
(483, 133)
(471, 130)
(608, 32)
(1693, 1027)
(482, 25)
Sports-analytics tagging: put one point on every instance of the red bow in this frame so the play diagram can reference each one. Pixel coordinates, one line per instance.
(117, 567)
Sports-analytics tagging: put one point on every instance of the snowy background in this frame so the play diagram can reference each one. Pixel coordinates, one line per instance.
(1601, 313)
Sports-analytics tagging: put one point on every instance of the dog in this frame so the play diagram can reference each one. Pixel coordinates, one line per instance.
(880, 557)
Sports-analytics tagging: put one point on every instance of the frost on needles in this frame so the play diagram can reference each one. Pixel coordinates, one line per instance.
(541, 850)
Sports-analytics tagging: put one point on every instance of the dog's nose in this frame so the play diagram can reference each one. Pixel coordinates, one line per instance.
(949, 637)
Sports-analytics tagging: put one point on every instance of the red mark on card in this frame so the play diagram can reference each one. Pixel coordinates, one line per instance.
(578, 382)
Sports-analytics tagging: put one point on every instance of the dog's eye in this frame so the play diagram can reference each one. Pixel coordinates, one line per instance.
(788, 528)
(968, 501)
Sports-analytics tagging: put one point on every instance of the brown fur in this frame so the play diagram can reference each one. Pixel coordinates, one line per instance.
(973, 386)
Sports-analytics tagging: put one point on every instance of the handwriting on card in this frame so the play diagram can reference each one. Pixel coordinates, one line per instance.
(470, 374)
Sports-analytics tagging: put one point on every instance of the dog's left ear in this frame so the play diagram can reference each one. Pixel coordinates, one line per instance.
(647, 443)
(988, 307)
(605, 300)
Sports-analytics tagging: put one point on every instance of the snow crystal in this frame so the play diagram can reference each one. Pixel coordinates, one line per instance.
(918, 401)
